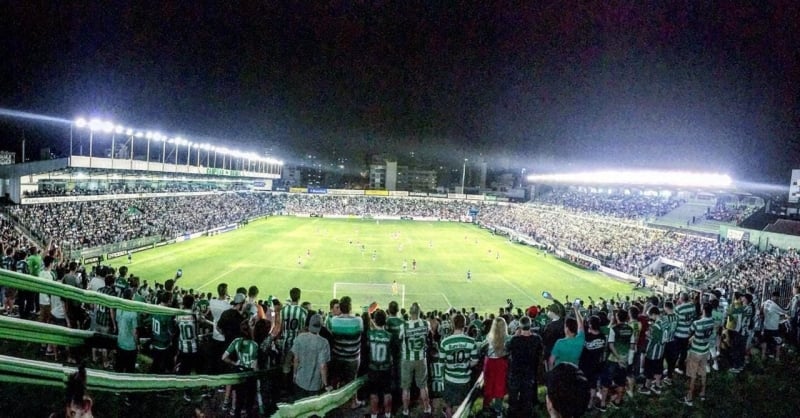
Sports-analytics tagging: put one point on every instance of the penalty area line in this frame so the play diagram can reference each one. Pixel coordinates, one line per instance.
(449, 305)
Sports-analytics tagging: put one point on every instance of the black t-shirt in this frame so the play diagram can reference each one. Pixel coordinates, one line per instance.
(593, 349)
(525, 352)
(553, 332)
(229, 324)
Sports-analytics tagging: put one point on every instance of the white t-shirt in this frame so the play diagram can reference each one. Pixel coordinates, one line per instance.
(57, 308)
(97, 283)
(772, 315)
(217, 307)
(44, 298)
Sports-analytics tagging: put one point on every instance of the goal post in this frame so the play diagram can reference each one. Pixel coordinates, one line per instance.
(364, 294)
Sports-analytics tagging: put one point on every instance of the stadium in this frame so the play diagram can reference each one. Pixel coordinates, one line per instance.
(380, 209)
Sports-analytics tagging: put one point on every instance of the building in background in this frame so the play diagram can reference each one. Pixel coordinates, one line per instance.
(7, 157)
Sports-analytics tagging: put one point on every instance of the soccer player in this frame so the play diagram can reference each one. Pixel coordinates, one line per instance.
(469, 276)
(460, 353)
(414, 264)
(380, 366)
(413, 366)
(293, 318)
(405, 265)
(701, 334)
(395, 286)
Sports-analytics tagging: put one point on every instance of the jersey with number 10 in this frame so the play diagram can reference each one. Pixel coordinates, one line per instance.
(379, 353)
(162, 331)
(293, 318)
(187, 333)
(458, 351)
(413, 337)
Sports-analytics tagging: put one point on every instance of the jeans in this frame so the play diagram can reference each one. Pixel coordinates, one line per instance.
(671, 356)
(683, 350)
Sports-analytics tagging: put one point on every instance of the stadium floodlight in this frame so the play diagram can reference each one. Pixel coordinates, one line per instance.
(119, 129)
(129, 132)
(638, 177)
(139, 134)
(108, 127)
(194, 145)
(149, 135)
(95, 124)
(81, 123)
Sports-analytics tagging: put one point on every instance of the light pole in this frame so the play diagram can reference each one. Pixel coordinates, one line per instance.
(522, 179)
(464, 175)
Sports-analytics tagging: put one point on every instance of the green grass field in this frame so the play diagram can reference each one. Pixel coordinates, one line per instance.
(272, 253)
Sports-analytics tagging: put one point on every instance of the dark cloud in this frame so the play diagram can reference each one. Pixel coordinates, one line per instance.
(668, 84)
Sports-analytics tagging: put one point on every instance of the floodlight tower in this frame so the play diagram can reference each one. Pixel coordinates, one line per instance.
(464, 174)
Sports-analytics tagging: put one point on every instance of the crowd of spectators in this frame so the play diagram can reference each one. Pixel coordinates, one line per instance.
(82, 189)
(628, 206)
(388, 206)
(94, 223)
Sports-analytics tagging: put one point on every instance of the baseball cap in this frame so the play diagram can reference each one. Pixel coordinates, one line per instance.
(239, 298)
(315, 324)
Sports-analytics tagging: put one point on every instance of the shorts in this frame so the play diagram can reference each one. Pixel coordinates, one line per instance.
(593, 374)
(45, 316)
(653, 367)
(454, 393)
(696, 364)
(770, 336)
(416, 370)
(343, 372)
(380, 382)
(615, 375)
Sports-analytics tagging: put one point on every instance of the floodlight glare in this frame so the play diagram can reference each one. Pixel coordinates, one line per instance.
(171, 141)
(108, 127)
(81, 122)
(95, 124)
(129, 132)
(140, 134)
(149, 135)
(119, 129)
(638, 177)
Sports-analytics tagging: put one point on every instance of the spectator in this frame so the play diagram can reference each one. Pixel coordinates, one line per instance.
(591, 359)
(310, 356)
(460, 354)
(104, 319)
(702, 332)
(217, 347)
(525, 350)
(495, 367)
(293, 319)
(245, 351)
(346, 350)
(569, 348)
(413, 364)
(127, 338)
(772, 318)
(567, 391)
(380, 366)
(654, 356)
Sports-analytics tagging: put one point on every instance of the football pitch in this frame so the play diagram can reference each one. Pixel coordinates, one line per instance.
(364, 258)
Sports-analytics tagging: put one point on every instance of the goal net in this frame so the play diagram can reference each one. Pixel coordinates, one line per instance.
(363, 294)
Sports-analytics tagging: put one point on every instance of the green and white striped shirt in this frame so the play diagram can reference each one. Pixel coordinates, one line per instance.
(685, 312)
(413, 337)
(702, 330)
(459, 351)
(293, 318)
(346, 332)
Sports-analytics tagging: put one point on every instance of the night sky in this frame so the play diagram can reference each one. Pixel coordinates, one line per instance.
(551, 86)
